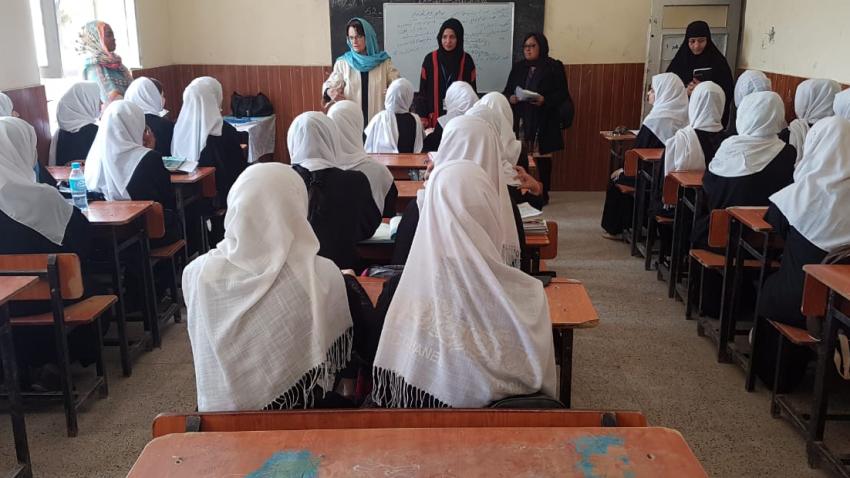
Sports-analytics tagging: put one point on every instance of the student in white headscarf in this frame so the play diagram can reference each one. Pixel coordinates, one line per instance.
(841, 105)
(693, 147)
(810, 215)
(7, 108)
(459, 98)
(342, 208)
(812, 103)
(750, 81)
(36, 219)
(122, 169)
(471, 139)
(486, 349)
(348, 118)
(77, 113)
(148, 95)
(395, 129)
(268, 317)
(669, 114)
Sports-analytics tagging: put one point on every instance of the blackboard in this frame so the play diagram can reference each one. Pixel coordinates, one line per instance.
(528, 17)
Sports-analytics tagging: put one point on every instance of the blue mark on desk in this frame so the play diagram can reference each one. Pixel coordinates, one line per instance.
(289, 464)
(590, 446)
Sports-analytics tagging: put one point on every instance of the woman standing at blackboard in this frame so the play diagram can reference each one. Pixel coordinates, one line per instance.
(440, 68)
(363, 73)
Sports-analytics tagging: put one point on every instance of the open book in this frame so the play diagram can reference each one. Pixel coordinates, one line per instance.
(179, 165)
(386, 232)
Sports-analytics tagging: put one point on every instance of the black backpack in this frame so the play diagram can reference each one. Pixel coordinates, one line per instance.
(256, 105)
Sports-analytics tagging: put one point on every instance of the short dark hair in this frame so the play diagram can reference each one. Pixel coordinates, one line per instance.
(157, 84)
(358, 27)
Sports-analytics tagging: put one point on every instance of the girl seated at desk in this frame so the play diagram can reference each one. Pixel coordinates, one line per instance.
(812, 103)
(810, 215)
(77, 113)
(693, 147)
(750, 81)
(342, 208)
(36, 219)
(459, 98)
(349, 122)
(396, 129)
(147, 94)
(269, 319)
(487, 349)
(121, 168)
(669, 114)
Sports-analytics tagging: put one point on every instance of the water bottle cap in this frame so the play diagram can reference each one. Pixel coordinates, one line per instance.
(75, 165)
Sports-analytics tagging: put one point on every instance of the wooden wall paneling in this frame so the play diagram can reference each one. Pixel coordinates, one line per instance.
(31, 105)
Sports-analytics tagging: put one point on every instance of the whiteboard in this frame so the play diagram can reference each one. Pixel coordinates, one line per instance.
(410, 33)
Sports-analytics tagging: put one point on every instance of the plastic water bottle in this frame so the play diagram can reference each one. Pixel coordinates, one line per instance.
(77, 183)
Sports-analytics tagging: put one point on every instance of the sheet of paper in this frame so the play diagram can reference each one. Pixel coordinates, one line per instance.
(526, 95)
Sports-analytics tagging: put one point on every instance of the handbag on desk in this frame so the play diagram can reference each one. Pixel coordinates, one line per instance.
(250, 105)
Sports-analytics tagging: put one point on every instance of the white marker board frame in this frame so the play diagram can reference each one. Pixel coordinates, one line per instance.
(410, 33)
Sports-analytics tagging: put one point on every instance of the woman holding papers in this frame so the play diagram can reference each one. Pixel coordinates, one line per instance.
(537, 88)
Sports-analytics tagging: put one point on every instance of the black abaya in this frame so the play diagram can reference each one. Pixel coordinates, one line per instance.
(74, 146)
(455, 65)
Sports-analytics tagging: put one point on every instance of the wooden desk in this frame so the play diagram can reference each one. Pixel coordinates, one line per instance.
(62, 173)
(468, 452)
(406, 193)
(402, 165)
(569, 308)
(617, 145)
(648, 166)
(9, 286)
(682, 189)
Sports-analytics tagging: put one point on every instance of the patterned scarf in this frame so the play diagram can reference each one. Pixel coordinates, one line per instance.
(111, 72)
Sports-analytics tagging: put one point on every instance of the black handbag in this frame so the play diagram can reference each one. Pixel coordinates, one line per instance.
(250, 105)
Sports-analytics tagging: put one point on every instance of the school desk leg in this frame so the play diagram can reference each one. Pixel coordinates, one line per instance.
(566, 360)
(121, 315)
(16, 408)
(820, 402)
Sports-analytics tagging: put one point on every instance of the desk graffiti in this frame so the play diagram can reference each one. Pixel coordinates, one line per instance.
(295, 464)
(602, 455)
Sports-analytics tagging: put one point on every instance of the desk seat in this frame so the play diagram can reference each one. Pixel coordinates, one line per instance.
(81, 313)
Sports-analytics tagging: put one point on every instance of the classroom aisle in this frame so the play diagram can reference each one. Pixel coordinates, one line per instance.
(643, 356)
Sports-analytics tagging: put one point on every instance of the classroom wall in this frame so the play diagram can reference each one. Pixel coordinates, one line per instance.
(153, 21)
(18, 64)
(808, 40)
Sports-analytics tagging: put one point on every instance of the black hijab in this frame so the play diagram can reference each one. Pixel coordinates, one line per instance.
(543, 44)
(450, 59)
(685, 62)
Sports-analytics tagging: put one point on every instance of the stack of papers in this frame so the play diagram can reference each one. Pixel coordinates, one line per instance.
(528, 212)
(535, 227)
(526, 95)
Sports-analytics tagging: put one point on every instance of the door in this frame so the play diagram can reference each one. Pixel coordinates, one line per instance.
(667, 24)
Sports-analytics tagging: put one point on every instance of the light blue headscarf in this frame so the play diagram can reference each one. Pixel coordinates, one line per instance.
(372, 58)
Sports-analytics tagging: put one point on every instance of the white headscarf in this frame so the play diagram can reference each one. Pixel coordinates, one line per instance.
(511, 147)
(509, 175)
(78, 107)
(751, 81)
(267, 317)
(812, 103)
(841, 106)
(313, 141)
(37, 206)
(472, 139)
(459, 97)
(705, 110)
(761, 117)
(382, 132)
(200, 117)
(462, 326)
(116, 151)
(144, 93)
(6, 105)
(348, 118)
(670, 111)
(212, 85)
(816, 203)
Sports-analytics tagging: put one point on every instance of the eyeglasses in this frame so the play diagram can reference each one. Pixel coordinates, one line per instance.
(529, 46)
(355, 38)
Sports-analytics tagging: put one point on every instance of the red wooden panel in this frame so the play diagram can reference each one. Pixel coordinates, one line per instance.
(31, 105)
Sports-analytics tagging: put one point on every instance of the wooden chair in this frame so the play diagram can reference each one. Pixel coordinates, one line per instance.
(60, 280)
(168, 255)
(168, 423)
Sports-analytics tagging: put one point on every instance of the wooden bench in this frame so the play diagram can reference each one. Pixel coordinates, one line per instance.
(60, 279)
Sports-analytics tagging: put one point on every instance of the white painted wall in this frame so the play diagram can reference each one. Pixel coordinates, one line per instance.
(18, 64)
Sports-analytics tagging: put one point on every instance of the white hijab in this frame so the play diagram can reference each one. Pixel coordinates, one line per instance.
(670, 111)
(313, 141)
(348, 118)
(812, 103)
(78, 107)
(705, 111)
(761, 117)
(472, 139)
(506, 169)
(459, 97)
(200, 117)
(6, 105)
(751, 81)
(841, 106)
(462, 326)
(116, 151)
(511, 147)
(267, 317)
(37, 206)
(144, 93)
(382, 132)
(816, 203)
